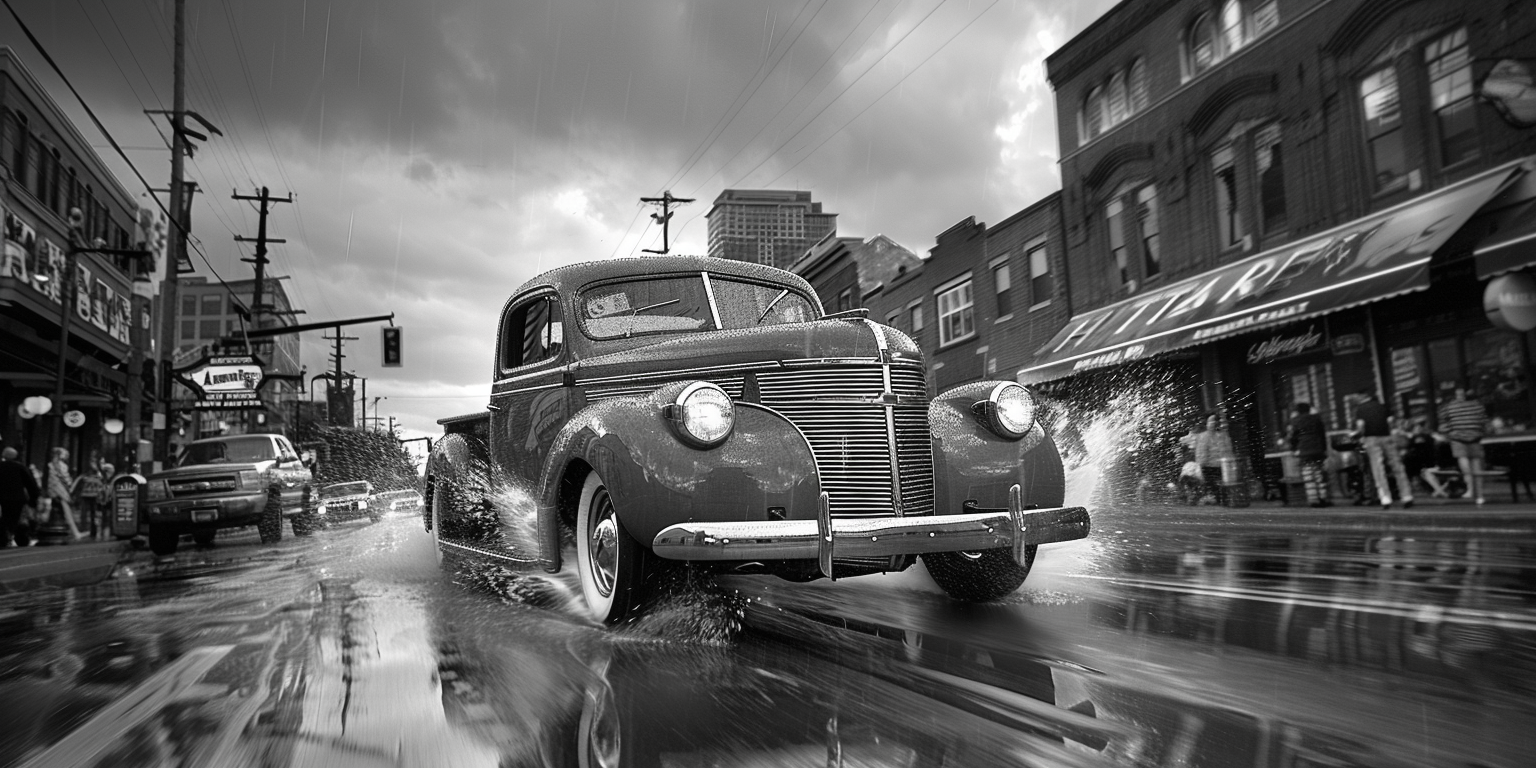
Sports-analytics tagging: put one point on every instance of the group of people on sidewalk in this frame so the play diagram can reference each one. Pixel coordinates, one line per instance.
(1406, 452)
(28, 498)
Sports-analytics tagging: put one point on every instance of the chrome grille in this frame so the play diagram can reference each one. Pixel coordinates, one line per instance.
(731, 385)
(851, 440)
(193, 487)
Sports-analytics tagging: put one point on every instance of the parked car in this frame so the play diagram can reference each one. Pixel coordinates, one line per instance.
(690, 409)
(228, 482)
(340, 502)
(403, 500)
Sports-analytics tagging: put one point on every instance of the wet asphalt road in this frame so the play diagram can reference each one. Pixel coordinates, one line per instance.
(1259, 637)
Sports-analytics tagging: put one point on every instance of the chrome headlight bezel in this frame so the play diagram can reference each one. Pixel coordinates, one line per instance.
(1009, 410)
(702, 415)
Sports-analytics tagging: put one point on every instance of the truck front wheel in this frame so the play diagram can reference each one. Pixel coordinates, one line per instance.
(976, 577)
(162, 541)
(610, 563)
(270, 525)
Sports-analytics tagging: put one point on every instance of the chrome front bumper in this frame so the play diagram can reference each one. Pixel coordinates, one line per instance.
(1015, 528)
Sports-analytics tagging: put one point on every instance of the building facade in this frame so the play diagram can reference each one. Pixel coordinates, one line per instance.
(1293, 201)
(48, 168)
(211, 317)
(766, 226)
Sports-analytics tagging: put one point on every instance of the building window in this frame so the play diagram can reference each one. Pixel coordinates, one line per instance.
(1266, 17)
(189, 304)
(1003, 282)
(19, 145)
(1384, 129)
(1114, 218)
(1271, 170)
(1232, 36)
(915, 312)
(845, 300)
(1147, 222)
(1140, 97)
(188, 330)
(1041, 284)
(1118, 98)
(956, 319)
(1229, 218)
(1450, 95)
(1092, 123)
(893, 319)
(1200, 46)
(1113, 101)
(208, 329)
(212, 304)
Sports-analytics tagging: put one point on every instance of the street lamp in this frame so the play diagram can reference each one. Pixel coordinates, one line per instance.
(376, 407)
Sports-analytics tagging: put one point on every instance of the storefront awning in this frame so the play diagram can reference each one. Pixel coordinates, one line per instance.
(1371, 258)
(1514, 244)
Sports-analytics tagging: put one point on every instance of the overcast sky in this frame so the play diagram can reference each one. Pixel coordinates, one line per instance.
(441, 153)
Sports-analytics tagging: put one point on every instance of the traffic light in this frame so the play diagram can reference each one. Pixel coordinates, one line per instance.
(392, 348)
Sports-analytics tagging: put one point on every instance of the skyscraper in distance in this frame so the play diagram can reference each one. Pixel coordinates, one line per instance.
(766, 226)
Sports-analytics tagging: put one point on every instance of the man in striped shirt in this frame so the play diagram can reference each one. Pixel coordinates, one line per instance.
(1463, 421)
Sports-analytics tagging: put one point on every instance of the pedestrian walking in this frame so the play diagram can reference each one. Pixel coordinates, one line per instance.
(60, 488)
(1211, 447)
(18, 490)
(1374, 425)
(90, 489)
(1308, 439)
(1464, 421)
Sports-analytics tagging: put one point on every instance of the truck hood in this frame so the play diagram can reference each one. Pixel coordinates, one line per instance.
(817, 340)
(222, 468)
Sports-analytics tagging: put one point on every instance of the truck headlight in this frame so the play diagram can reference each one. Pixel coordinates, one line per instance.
(155, 490)
(702, 415)
(1008, 411)
(320, 509)
(362, 503)
(250, 479)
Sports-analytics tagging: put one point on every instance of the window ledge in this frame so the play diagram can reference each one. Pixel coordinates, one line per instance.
(1003, 319)
(1040, 306)
(957, 342)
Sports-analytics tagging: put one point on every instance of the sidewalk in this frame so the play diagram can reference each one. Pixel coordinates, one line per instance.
(23, 568)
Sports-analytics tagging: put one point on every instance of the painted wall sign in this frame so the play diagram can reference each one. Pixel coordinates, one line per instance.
(1510, 301)
(1348, 344)
(1277, 346)
(225, 381)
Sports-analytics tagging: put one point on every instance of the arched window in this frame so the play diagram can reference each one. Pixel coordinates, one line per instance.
(1093, 113)
(1232, 37)
(1139, 96)
(1118, 103)
(1200, 46)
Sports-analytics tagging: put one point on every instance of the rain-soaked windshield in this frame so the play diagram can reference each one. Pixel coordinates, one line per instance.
(681, 304)
(345, 489)
(232, 449)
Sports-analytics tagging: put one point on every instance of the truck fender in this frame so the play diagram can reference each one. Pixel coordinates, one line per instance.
(973, 463)
(459, 465)
(656, 480)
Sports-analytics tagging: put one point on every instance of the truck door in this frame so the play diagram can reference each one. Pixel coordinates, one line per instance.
(529, 402)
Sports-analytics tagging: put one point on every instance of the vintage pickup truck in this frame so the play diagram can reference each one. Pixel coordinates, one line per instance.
(671, 409)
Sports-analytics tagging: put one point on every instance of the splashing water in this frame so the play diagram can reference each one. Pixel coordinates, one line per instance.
(1119, 434)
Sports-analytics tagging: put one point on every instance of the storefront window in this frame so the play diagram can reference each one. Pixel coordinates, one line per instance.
(1306, 384)
(1498, 374)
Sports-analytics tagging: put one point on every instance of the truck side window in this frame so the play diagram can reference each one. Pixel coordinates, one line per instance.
(533, 333)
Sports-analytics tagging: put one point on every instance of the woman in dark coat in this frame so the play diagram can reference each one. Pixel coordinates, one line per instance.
(1309, 442)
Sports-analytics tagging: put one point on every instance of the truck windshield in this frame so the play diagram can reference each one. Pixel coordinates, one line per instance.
(345, 489)
(681, 305)
(233, 449)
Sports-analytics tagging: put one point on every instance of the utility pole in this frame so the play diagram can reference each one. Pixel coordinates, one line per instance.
(336, 358)
(168, 298)
(666, 201)
(261, 240)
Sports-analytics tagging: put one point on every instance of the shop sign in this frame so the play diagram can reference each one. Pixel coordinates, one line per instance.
(1113, 357)
(1278, 346)
(225, 381)
(1510, 301)
(1348, 344)
(74, 419)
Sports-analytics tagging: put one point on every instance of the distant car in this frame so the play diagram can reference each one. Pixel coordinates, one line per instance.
(227, 482)
(340, 502)
(406, 500)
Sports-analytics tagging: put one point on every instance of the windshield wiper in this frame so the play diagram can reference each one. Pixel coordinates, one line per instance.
(653, 306)
(770, 306)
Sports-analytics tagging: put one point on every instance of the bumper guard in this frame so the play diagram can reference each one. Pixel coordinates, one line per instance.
(1015, 528)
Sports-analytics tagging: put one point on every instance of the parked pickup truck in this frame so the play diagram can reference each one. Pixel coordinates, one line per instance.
(691, 409)
(226, 482)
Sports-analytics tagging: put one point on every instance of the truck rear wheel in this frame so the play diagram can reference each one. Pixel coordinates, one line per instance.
(975, 577)
(609, 562)
(304, 523)
(204, 537)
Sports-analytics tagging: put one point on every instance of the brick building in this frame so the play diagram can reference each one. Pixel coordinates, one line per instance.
(766, 226)
(48, 168)
(1295, 200)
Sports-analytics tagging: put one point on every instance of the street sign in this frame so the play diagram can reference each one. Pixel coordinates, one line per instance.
(225, 381)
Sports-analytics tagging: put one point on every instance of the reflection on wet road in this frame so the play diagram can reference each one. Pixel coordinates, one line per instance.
(1288, 640)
